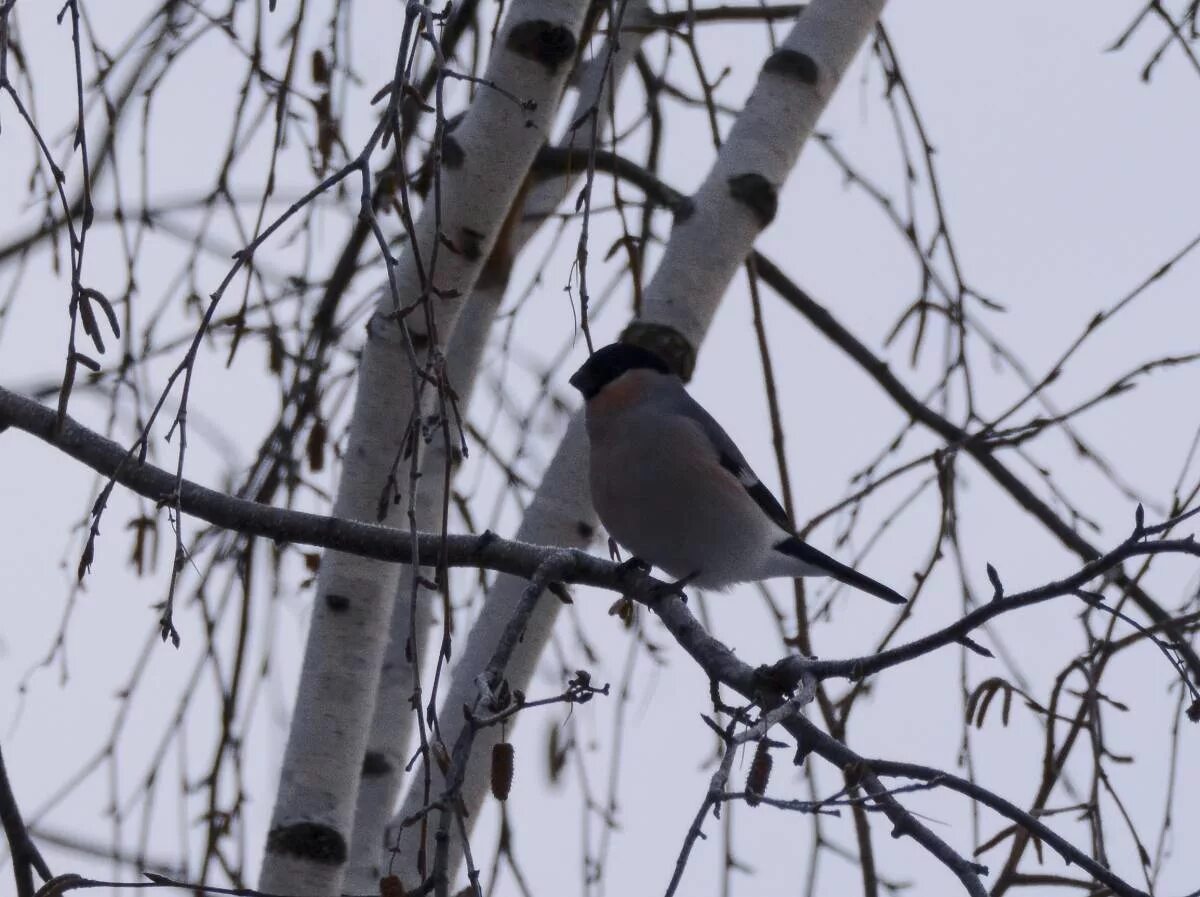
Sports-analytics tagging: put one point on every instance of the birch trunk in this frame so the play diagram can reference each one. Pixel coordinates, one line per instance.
(707, 247)
(397, 699)
(485, 160)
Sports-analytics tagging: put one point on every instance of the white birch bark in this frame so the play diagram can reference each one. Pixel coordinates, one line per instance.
(396, 702)
(394, 719)
(307, 846)
(705, 250)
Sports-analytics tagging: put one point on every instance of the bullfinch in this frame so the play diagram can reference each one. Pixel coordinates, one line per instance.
(672, 488)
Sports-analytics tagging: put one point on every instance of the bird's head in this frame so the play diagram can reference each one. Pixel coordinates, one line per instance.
(611, 362)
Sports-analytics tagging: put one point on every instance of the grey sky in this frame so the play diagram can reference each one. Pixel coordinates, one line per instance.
(1067, 181)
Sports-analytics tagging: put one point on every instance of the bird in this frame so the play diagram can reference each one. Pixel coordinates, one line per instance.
(672, 488)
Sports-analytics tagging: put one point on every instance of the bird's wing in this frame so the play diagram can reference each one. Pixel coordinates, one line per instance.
(733, 461)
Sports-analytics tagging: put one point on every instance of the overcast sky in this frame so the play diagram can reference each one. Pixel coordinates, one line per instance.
(1067, 181)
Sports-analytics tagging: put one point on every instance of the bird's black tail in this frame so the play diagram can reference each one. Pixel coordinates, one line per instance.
(797, 548)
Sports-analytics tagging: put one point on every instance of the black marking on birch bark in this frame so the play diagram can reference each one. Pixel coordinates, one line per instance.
(793, 64)
(376, 764)
(309, 841)
(542, 41)
(377, 324)
(470, 243)
(684, 210)
(337, 603)
(493, 274)
(666, 342)
(453, 154)
(542, 170)
(758, 193)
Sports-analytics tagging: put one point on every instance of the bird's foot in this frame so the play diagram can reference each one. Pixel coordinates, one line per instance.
(633, 565)
(636, 566)
(666, 589)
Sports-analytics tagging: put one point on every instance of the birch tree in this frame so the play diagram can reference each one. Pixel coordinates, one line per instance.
(711, 240)
(315, 357)
(393, 721)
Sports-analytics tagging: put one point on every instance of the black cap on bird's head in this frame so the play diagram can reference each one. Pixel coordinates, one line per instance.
(607, 364)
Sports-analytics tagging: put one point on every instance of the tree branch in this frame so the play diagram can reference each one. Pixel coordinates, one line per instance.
(973, 444)
(976, 445)
(490, 552)
(791, 669)
(486, 551)
(26, 858)
(520, 559)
